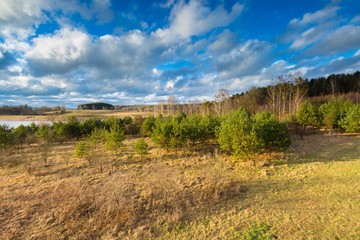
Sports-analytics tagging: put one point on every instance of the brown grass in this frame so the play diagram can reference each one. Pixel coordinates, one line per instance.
(80, 114)
(309, 193)
(68, 198)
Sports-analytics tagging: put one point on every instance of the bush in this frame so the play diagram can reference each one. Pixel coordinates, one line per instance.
(351, 121)
(6, 136)
(115, 137)
(97, 137)
(242, 135)
(273, 134)
(332, 111)
(211, 123)
(192, 130)
(21, 133)
(166, 132)
(141, 147)
(307, 115)
(45, 132)
(147, 126)
(236, 134)
(89, 125)
(81, 149)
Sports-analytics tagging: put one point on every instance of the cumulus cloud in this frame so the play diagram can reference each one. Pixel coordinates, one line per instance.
(195, 19)
(341, 40)
(58, 53)
(191, 54)
(302, 32)
(223, 42)
(340, 65)
(157, 72)
(323, 32)
(19, 18)
(248, 57)
(319, 16)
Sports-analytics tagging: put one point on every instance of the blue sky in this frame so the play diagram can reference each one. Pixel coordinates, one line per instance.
(68, 52)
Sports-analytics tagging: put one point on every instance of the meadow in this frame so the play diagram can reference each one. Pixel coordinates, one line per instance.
(80, 114)
(311, 191)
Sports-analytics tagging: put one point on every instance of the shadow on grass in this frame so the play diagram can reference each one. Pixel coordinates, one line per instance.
(325, 148)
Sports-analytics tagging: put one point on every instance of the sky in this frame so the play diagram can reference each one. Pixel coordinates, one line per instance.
(70, 52)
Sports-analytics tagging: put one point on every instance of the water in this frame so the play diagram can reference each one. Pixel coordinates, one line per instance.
(15, 124)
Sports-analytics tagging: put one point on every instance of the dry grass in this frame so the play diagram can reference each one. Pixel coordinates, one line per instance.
(312, 192)
(65, 197)
(80, 114)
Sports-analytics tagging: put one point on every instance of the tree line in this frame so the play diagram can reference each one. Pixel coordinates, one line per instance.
(239, 133)
(27, 110)
(282, 97)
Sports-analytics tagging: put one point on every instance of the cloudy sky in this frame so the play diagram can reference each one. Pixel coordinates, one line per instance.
(67, 52)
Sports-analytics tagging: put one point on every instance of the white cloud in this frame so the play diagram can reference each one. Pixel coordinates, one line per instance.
(58, 53)
(15, 69)
(157, 72)
(66, 45)
(194, 19)
(316, 17)
(302, 32)
(323, 32)
(343, 39)
(304, 39)
(224, 42)
(170, 85)
(101, 10)
(246, 58)
(19, 18)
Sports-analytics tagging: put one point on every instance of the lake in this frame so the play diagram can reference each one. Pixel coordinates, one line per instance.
(15, 124)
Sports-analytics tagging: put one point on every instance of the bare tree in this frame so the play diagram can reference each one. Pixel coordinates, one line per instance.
(171, 105)
(220, 101)
(205, 107)
(300, 92)
(286, 95)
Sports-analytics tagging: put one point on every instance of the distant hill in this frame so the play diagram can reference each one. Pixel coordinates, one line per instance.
(96, 106)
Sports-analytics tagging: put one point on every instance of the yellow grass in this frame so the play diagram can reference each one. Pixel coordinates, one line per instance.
(81, 114)
(312, 192)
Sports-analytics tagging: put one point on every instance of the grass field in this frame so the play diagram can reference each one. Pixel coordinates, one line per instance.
(311, 192)
(80, 114)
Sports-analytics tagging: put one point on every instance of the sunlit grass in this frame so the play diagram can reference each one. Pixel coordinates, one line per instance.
(311, 192)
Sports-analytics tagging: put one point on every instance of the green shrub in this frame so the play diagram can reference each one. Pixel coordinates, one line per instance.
(351, 121)
(97, 137)
(332, 111)
(89, 125)
(81, 149)
(237, 136)
(192, 130)
(307, 115)
(273, 134)
(21, 133)
(141, 147)
(166, 132)
(211, 124)
(45, 132)
(6, 136)
(147, 126)
(115, 137)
